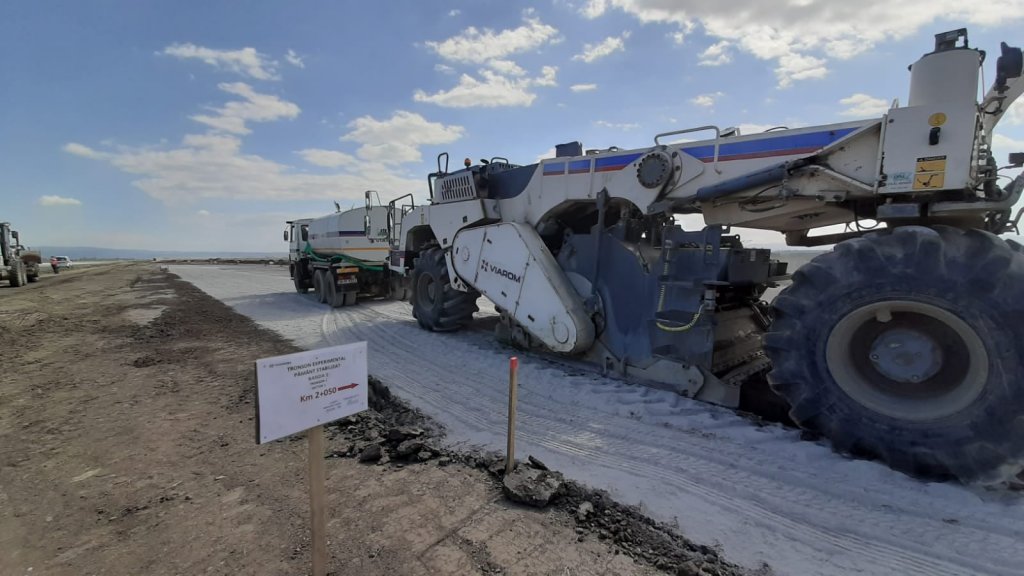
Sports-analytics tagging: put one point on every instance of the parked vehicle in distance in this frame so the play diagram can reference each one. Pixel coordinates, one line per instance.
(59, 262)
(18, 265)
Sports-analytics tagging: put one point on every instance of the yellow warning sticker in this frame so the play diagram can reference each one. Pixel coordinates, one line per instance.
(937, 119)
(931, 164)
(929, 180)
(930, 173)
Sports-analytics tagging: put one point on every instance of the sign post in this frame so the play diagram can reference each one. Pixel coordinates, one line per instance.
(510, 452)
(317, 507)
(302, 392)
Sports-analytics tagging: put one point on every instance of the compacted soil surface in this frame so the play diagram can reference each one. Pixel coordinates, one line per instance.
(127, 446)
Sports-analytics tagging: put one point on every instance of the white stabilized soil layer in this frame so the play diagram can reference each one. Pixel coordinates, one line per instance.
(759, 492)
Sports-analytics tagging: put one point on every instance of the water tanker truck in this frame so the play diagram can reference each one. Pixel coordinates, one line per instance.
(345, 254)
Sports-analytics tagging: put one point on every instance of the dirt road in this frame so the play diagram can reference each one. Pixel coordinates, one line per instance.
(758, 491)
(126, 447)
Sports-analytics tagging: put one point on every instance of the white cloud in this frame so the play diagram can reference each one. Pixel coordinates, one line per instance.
(327, 158)
(491, 90)
(1015, 115)
(716, 55)
(583, 87)
(799, 67)
(617, 126)
(800, 36)
(444, 69)
(863, 106)
(246, 61)
(58, 201)
(213, 166)
(1002, 146)
(398, 139)
(506, 67)
(706, 100)
(480, 46)
(254, 107)
(82, 150)
(756, 128)
(454, 12)
(294, 59)
(594, 8)
(606, 47)
(547, 76)
(203, 213)
(550, 153)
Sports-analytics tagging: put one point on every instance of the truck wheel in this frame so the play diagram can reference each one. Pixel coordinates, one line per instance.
(334, 297)
(301, 285)
(906, 346)
(436, 304)
(319, 286)
(398, 289)
(17, 274)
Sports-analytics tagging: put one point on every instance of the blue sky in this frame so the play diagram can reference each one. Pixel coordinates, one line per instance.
(204, 125)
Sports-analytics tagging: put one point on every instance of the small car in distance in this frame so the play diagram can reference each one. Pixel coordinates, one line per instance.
(59, 262)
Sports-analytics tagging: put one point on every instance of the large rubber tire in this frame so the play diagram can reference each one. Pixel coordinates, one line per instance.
(436, 304)
(301, 284)
(961, 413)
(17, 274)
(319, 286)
(349, 298)
(332, 296)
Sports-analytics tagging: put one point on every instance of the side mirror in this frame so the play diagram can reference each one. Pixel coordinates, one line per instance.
(14, 234)
(285, 235)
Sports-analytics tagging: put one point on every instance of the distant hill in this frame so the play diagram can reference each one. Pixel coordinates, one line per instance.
(93, 253)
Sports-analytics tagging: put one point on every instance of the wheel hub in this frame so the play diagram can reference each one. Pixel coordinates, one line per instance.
(907, 359)
(906, 355)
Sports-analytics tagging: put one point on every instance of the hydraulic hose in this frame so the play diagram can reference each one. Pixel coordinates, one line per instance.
(661, 306)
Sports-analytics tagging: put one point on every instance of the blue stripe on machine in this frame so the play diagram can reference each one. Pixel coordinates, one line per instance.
(610, 163)
(338, 234)
(764, 147)
(554, 169)
(579, 166)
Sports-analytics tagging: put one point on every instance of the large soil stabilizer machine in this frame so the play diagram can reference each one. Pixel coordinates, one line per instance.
(343, 255)
(903, 343)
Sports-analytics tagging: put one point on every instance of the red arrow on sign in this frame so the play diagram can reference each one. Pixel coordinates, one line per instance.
(348, 386)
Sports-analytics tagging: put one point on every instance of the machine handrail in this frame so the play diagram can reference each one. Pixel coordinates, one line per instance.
(718, 136)
(391, 221)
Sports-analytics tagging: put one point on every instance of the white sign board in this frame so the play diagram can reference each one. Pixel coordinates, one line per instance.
(298, 391)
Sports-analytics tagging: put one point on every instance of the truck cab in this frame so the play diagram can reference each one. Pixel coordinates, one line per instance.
(296, 235)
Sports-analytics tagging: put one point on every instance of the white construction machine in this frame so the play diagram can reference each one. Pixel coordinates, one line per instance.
(905, 343)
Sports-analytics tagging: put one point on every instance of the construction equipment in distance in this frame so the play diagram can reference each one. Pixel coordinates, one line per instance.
(905, 343)
(18, 265)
